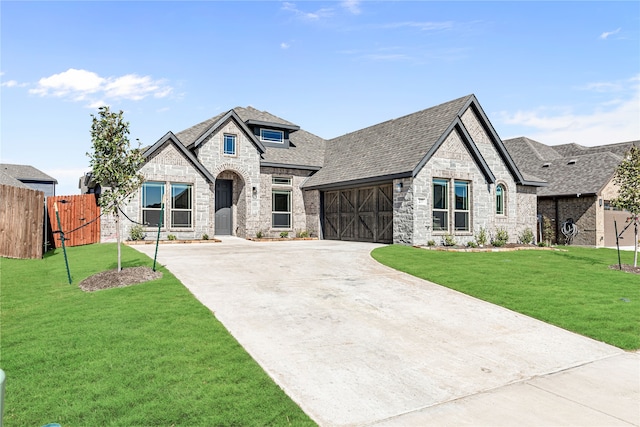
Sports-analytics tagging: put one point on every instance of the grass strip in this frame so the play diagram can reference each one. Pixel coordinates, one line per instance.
(145, 355)
(572, 288)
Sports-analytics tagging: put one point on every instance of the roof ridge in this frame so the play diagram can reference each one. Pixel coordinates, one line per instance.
(386, 122)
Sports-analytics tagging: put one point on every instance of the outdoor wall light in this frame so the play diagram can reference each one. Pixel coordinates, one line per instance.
(254, 190)
(398, 187)
(600, 202)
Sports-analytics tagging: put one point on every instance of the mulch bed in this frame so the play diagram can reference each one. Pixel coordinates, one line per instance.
(626, 267)
(119, 279)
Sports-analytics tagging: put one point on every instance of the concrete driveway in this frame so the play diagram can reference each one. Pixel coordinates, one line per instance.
(356, 343)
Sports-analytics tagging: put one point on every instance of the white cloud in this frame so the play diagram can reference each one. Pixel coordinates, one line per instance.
(284, 45)
(612, 120)
(10, 83)
(311, 16)
(606, 34)
(82, 85)
(423, 26)
(352, 6)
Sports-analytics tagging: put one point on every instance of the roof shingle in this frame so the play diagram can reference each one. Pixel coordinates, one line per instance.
(390, 148)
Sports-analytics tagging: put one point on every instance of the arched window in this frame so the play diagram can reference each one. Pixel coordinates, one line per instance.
(500, 196)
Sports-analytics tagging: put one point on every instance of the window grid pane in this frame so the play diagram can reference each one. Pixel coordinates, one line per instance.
(280, 181)
(281, 209)
(440, 205)
(268, 135)
(181, 205)
(500, 199)
(440, 190)
(230, 145)
(152, 196)
(461, 213)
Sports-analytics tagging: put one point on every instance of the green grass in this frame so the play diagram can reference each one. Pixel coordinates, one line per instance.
(145, 355)
(573, 288)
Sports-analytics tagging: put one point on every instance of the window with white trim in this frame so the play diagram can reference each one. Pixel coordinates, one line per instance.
(461, 211)
(500, 199)
(440, 205)
(229, 145)
(181, 206)
(281, 209)
(178, 212)
(152, 196)
(271, 135)
(451, 205)
(277, 180)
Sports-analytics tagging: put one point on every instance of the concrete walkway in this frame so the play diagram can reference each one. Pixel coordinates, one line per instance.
(355, 343)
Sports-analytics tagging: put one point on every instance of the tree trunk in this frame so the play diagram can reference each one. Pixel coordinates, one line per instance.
(118, 238)
(635, 252)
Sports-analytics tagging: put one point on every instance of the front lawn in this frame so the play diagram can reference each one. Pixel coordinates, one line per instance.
(145, 355)
(572, 288)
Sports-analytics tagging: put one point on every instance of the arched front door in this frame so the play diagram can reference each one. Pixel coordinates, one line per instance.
(224, 203)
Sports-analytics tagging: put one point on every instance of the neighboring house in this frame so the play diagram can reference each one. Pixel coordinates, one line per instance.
(580, 186)
(29, 177)
(440, 171)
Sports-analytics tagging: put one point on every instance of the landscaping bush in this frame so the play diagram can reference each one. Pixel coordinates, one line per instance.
(526, 237)
(500, 238)
(481, 237)
(137, 233)
(448, 240)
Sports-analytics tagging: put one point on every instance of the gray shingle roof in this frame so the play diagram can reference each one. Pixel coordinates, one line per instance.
(306, 149)
(570, 168)
(573, 149)
(6, 179)
(26, 173)
(391, 148)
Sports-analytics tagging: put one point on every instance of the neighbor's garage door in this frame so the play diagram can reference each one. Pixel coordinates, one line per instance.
(363, 214)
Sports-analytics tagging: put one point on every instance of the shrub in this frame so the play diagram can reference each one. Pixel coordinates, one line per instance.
(431, 243)
(302, 234)
(500, 238)
(472, 244)
(205, 237)
(172, 237)
(137, 233)
(448, 240)
(259, 234)
(526, 237)
(481, 237)
(284, 234)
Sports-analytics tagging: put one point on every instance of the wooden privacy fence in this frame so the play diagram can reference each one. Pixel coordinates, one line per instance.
(79, 218)
(21, 222)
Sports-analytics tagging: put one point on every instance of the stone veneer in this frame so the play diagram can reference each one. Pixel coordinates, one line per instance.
(305, 205)
(413, 203)
(169, 166)
(251, 188)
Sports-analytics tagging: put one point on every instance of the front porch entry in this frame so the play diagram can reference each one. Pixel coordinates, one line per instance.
(224, 203)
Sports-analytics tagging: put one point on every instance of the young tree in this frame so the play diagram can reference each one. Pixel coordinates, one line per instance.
(115, 166)
(627, 177)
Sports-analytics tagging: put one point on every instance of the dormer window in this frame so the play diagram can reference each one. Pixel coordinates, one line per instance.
(272, 136)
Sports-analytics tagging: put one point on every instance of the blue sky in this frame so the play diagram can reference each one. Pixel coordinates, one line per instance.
(556, 72)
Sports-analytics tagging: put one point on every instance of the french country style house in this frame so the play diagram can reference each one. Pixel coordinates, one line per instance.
(439, 172)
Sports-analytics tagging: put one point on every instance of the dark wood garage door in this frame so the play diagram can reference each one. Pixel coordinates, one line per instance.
(362, 214)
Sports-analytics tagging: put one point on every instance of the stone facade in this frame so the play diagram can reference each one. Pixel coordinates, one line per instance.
(305, 205)
(252, 187)
(413, 206)
(167, 166)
